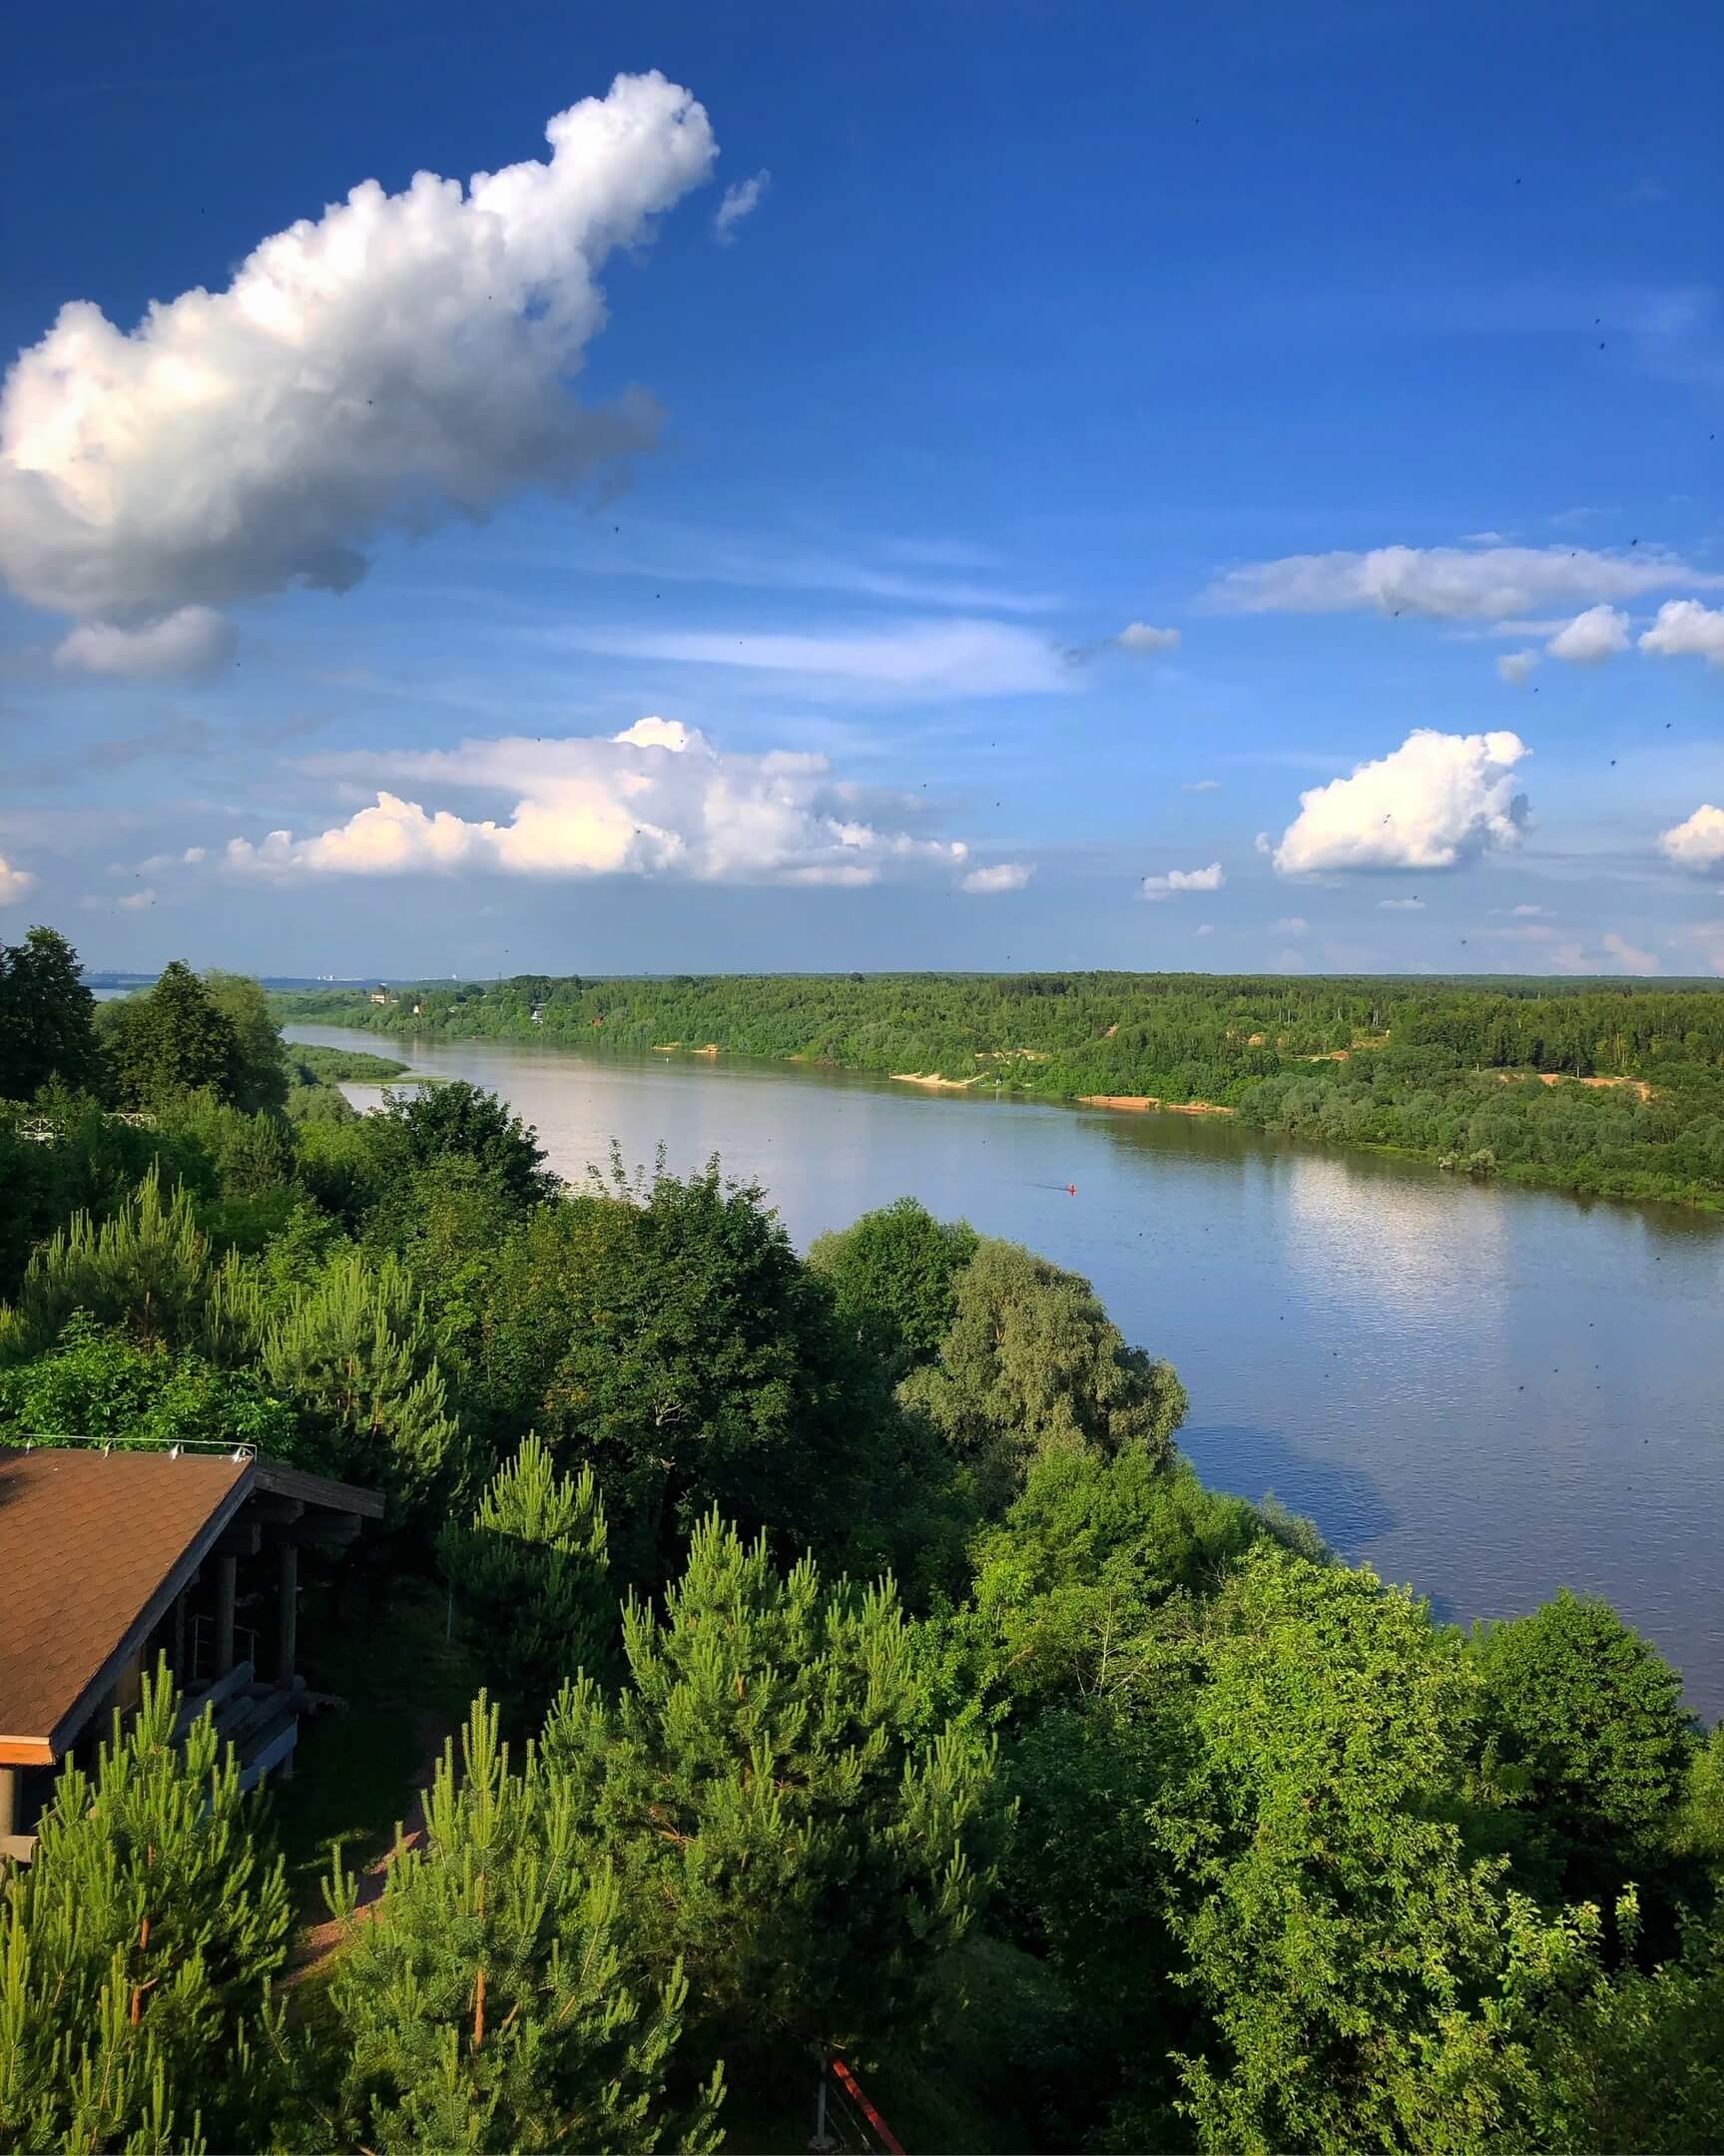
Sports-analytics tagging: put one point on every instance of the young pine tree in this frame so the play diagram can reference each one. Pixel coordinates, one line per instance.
(146, 1269)
(531, 1585)
(135, 1953)
(352, 1352)
(496, 2000)
(766, 1803)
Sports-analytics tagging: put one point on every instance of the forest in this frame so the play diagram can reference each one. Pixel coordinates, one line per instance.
(1614, 1088)
(828, 1654)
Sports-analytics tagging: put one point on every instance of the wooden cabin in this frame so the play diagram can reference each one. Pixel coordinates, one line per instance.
(113, 1559)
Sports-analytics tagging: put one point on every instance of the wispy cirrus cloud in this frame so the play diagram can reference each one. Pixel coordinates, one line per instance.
(659, 550)
(896, 662)
(186, 735)
(741, 199)
(1449, 583)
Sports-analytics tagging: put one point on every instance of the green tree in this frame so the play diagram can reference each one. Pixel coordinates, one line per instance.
(496, 2000)
(429, 1124)
(1032, 1363)
(174, 1040)
(136, 1951)
(96, 1383)
(1699, 1825)
(893, 1275)
(351, 1352)
(47, 1018)
(261, 1066)
(1068, 1582)
(772, 1812)
(1361, 1983)
(1633, 2061)
(147, 1269)
(1585, 1727)
(699, 1369)
(530, 1580)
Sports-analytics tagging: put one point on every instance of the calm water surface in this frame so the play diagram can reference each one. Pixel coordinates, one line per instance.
(1488, 1393)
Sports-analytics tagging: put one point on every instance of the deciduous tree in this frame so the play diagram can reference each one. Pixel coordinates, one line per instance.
(1032, 1363)
(47, 1018)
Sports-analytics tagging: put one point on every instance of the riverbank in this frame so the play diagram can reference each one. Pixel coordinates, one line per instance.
(1142, 1103)
(1488, 1079)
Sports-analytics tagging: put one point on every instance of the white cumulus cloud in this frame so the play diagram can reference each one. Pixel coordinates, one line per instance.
(1448, 582)
(1599, 634)
(1516, 667)
(1292, 924)
(1687, 630)
(740, 201)
(1698, 841)
(1434, 803)
(1201, 785)
(14, 882)
(1400, 906)
(1157, 888)
(1002, 876)
(1140, 637)
(656, 799)
(191, 641)
(397, 362)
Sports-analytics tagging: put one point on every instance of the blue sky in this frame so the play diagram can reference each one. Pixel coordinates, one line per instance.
(1222, 489)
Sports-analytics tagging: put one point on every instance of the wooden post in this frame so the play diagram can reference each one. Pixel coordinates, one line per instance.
(226, 1568)
(286, 1610)
(8, 1799)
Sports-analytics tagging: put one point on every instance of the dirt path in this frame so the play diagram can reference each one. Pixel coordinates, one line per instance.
(319, 1942)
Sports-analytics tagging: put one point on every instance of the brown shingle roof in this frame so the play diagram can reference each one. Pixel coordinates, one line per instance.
(93, 1548)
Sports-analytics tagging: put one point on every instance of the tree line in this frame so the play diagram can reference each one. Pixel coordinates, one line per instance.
(859, 1666)
(1613, 1087)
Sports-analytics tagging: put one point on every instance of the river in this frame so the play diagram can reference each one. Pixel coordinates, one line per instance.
(1488, 1393)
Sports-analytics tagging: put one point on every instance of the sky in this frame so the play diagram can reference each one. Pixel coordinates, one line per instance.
(669, 488)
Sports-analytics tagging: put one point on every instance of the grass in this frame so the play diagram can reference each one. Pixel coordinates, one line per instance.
(357, 1768)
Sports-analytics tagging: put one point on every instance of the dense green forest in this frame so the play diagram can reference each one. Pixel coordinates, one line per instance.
(1615, 1088)
(836, 1654)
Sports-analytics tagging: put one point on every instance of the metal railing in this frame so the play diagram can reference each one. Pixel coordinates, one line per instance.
(198, 1447)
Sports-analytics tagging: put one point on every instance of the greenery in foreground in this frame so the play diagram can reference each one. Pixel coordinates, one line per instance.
(1454, 1071)
(863, 1667)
